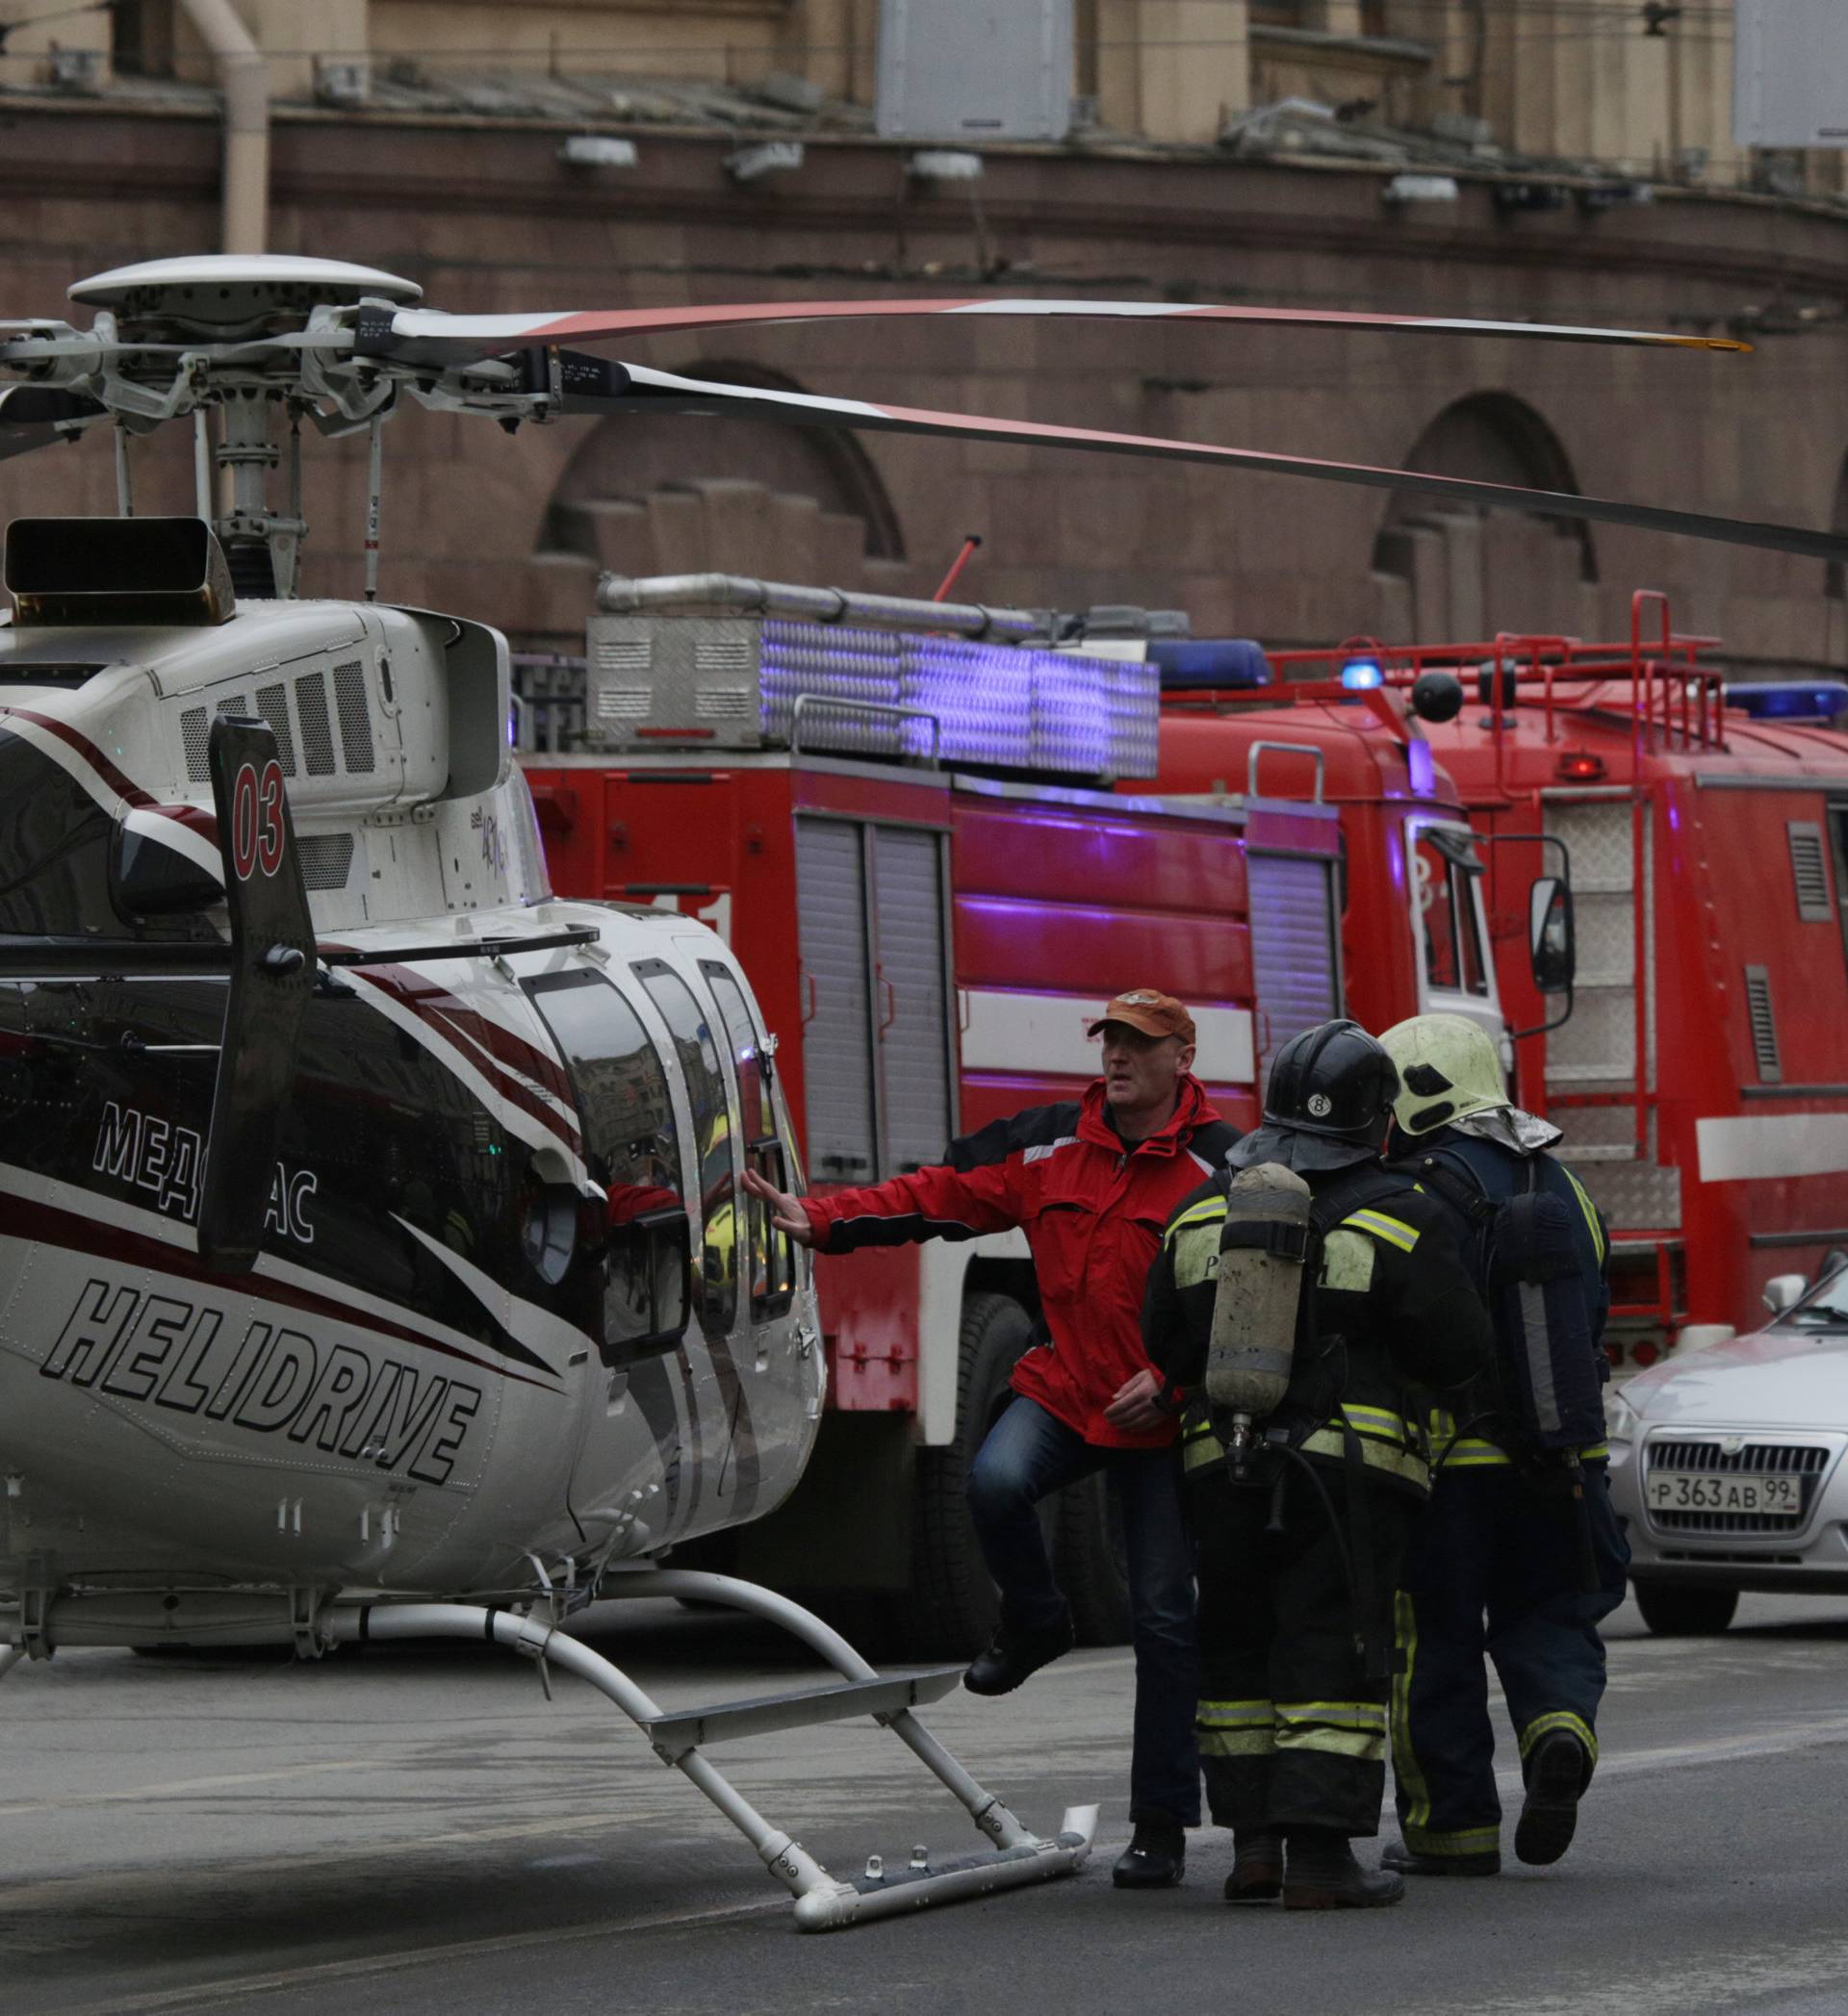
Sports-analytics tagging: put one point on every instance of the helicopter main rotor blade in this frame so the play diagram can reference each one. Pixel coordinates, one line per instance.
(590, 385)
(35, 416)
(428, 335)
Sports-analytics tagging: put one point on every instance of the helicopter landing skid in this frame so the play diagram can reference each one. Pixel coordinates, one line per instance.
(824, 1903)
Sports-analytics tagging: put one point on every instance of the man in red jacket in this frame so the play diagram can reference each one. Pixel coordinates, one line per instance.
(1093, 1183)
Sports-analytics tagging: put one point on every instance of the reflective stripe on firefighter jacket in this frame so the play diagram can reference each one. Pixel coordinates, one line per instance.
(1392, 1312)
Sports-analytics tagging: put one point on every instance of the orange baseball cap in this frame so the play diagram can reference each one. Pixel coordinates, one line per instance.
(1154, 1013)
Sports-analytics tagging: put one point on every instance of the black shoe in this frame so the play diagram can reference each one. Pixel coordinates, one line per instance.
(1556, 1775)
(1016, 1655)
(1413, 1862)
(1155, 1860)
(1319, 1873)
(1257, 1868)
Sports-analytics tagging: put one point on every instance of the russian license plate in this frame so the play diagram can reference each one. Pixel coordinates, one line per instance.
(1707, 1490)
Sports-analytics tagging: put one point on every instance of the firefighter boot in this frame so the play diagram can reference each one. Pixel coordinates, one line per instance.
(1155, 1860)
(1319, 1873)
(1257, 1867)
(1414, 1862)
(1556, 1774)
(1018, 1652)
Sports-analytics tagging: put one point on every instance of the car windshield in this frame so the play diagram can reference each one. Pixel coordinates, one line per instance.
(1823, 1308)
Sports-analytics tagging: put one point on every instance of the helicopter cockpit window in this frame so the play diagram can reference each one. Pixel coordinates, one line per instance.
(1445, 873)
(633, 1149)
(714, 1129)
(772, 1253)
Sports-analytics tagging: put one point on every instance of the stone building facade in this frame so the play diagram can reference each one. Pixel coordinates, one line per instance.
(465, 192)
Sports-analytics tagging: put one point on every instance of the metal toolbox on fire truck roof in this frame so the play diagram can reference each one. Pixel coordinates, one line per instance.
(724, 662)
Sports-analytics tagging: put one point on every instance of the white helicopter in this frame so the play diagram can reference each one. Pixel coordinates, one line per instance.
(373, 1255)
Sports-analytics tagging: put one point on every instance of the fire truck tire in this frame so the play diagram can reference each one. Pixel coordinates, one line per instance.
(1678, 1612)
(954, 1605)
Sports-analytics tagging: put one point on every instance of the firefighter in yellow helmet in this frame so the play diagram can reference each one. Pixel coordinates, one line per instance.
(1519, 1554)
(1304, 1484)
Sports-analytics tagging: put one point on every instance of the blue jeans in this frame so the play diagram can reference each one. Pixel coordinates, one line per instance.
(1027, 1455)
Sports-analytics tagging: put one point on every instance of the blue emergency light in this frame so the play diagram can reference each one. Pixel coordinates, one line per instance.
(1359, 673)
(1789, 700)
(1198, 662)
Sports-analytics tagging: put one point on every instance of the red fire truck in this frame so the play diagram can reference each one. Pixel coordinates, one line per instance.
(1700, 1063)
(894, 811)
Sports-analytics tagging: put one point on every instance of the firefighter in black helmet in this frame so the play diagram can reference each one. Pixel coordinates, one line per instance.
(1302, 1510)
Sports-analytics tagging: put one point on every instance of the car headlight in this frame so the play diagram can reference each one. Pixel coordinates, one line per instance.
(1623, 1424)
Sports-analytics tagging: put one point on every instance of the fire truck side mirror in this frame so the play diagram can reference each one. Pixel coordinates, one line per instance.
(1550, 944)
(1784, 1291)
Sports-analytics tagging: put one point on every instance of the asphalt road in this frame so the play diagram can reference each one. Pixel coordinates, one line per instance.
(417, 1830)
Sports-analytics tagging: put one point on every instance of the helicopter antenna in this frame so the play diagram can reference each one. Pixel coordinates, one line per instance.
(124, 485)
(375, 483)
(202, 466)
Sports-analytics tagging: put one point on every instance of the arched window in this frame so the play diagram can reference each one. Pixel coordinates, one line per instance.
(1834, 580)
(1464, 573)
(656, 494)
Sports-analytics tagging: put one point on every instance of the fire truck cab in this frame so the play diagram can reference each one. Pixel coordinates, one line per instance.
(1698, 1061)
(902, 817)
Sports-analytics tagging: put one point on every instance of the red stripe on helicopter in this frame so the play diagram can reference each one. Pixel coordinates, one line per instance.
(509, 1051)
(47, 1224)
(203, 823)
(494, 1052)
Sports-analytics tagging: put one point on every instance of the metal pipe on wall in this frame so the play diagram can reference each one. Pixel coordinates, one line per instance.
(243, 78)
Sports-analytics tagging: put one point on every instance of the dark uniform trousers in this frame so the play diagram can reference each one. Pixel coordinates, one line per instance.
(1495, 1566)
(1291, 1731)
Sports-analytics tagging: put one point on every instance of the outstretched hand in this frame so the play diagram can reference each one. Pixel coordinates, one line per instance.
(787, 1214)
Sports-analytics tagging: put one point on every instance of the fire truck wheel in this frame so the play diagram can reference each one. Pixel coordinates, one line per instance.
(954, 1607)
(1093, 1570)
(1678, 1612)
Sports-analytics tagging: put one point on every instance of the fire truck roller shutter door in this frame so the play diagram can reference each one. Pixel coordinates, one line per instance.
(1295, 966)
(912, 1013)
(837, 1046)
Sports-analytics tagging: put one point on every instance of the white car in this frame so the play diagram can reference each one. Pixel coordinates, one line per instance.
(1726, 1468)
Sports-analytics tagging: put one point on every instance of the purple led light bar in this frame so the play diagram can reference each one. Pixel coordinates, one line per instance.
(1007, 706)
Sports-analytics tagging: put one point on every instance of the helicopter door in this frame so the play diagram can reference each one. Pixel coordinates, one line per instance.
(690, 1023)
(631, 1147)
(769, 1255)
(732, 1465)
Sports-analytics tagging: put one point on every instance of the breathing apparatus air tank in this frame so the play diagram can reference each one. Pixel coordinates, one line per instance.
(1263, 1249)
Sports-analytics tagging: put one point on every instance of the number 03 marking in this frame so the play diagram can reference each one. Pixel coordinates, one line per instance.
(256, 820)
